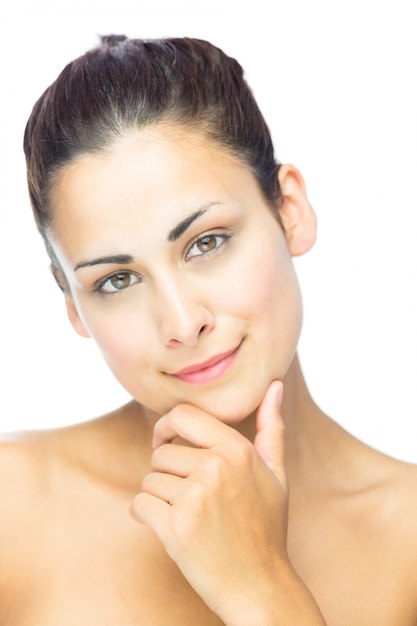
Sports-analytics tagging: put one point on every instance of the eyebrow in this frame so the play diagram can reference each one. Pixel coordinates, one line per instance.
(122, 259)
(180, 229)
(173, 235)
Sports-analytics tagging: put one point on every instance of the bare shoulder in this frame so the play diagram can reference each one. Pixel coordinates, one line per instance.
(21, 493)
(42, 473)
(399, 508)
(392, 489)
(399, 480)
(32, 462)
(402, 496)
(20, 467)
(393, 520)
(38, 466)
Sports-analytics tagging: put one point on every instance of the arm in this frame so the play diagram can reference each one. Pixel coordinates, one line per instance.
(220, 510)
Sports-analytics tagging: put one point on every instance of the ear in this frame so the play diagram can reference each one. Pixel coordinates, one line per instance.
(72, 312)
(297, 215)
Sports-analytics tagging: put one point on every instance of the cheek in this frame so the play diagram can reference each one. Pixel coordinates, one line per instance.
(264, 287)
(267, 296)
(120, 341)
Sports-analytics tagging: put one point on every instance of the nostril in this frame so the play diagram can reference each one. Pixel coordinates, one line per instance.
(185, 327)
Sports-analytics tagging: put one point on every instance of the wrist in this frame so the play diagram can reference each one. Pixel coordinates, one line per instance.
(281, 598)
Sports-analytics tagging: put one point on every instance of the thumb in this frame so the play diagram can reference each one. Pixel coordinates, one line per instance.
(269, 440)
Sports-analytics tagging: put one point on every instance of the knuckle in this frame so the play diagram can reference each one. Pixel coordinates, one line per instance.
(147, 482)
(185, 525)
(181, 528)
(137, 506)
(214, 465)
(196, 492)
(241, 451)
(178, 412)
(159, 454)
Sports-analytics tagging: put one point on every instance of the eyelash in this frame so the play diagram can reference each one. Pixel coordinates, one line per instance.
(99, 287)
(224, 237)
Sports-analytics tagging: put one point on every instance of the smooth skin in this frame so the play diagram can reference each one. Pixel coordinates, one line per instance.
(224, 496)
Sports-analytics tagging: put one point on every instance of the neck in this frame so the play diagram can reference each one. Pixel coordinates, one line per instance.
(310, 435)
(297, 405)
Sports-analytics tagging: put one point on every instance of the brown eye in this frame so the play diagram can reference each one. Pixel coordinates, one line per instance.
(205, 244)
(117, 282)
(120, 281)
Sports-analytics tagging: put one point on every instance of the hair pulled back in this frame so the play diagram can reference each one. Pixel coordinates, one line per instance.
(124, 85)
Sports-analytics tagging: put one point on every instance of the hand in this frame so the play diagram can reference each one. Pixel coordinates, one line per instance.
(219, 508)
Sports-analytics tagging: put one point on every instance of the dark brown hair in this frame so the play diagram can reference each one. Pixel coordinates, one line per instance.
(126, 84)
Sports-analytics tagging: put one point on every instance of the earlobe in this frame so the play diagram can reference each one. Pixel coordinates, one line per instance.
(74, 318)
(297, 215)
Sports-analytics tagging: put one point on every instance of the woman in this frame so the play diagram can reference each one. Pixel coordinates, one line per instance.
(170, 229)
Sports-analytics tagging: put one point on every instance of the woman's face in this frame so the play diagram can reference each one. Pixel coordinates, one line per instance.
(179, 270)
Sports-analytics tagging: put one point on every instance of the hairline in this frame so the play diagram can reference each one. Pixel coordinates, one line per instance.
(110, 147)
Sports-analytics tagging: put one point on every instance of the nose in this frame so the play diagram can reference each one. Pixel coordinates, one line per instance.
(183, 317)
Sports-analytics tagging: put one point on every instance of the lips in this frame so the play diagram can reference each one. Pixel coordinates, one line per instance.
(208, 371)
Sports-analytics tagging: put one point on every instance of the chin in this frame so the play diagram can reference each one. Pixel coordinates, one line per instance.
(232, 406)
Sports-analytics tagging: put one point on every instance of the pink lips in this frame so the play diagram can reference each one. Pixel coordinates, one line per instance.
(209, 370)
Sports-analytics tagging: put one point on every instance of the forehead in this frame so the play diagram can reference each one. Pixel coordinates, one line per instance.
(159, 151)
(146, 183)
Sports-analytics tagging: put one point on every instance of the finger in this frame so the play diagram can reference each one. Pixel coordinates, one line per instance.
(175, 459)
(162, 486)
(193, 425)
(269, 440)
(151, 511)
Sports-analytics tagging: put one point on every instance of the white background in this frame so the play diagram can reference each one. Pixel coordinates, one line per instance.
(337, 84)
